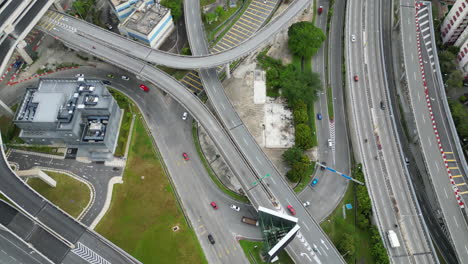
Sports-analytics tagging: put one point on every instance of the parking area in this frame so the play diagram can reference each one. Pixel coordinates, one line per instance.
(250, 21)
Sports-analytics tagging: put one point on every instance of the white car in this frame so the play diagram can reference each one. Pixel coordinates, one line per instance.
(184, 116)
(235, 207)
(353, 38)
(330, 143)
(125, 78)
(306, 203)
(79, 75)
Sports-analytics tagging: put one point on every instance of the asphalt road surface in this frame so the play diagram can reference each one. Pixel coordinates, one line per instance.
(454, 220)
(393, 205)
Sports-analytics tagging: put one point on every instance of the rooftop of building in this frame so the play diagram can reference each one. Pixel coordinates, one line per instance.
(145, 17)
(57, 100)
(119, 2)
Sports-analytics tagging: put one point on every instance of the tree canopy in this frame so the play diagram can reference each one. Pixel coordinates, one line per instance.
(175, 6)
(292, 155)
(299, 169)
(303, 137)
(305, 39)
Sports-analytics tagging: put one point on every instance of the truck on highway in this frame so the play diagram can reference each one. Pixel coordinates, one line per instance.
(393, 239)
(249, 221)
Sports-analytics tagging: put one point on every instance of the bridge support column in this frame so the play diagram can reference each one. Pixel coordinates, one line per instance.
(228, 70)
(58, 6)
(5, 110)
(20, 48)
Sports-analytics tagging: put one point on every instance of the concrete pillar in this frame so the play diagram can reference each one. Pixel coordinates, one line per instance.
(37, 173)
(20, 48)
(228, 70)
(58, 6)
(4, 109)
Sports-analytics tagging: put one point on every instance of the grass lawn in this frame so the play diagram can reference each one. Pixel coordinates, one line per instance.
(213, 177)
(252, 251)
(335, 226)
(176, 73)
(128, 110)
(144, 210)
(206, 2)
(210, 29)
(69, 195)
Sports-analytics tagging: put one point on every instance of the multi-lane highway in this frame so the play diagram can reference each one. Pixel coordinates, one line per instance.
(453, 218)
(86, 30)
(376, 141)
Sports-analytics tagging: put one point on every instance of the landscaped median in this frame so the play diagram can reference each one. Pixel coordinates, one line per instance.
(357, 239)
(144, 210)
(252, 250)
(210, 171)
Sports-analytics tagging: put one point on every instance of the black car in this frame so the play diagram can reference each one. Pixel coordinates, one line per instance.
(211, 239)
(106, 82)
(324, 164)
(382, 105)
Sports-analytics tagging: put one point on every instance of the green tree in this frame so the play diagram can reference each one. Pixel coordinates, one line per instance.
(453, 49)
(303, 137)
(305, 39)
(298, 85)
(210, 17)
(300, 112)
(447, 62)
(292, 155)
(175, 6)
(346, 245)
(299, 169)
(219, 11)
(455, 80)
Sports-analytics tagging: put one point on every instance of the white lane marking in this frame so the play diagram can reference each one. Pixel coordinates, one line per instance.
(445, 191)
(430, 141)
(424, 119)
(455, 221)
(324, 251)
(258, 160)
(306, 227)
(419, 97)
(437, 165)
(415, 76)
(323, 242)
(245, 141)
(271, 178)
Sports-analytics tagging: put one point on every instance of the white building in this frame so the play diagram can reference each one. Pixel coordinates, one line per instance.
(150, 24)
(124, 8)
(455, 22)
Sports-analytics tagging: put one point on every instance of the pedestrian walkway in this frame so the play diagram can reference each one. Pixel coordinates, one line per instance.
(37, 154)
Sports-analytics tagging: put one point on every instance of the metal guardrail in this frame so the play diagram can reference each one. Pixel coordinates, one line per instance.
(443, 96)
(409, 182)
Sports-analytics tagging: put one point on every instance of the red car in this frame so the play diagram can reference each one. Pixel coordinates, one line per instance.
(213, 204)
(185, 156)
(144, 87)
(291, 210)
(356, 78)
(320, 10)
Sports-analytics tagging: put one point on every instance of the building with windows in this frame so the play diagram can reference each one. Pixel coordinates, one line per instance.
(149, 24)
(124, 8)
(455, 23)
(79, 114)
